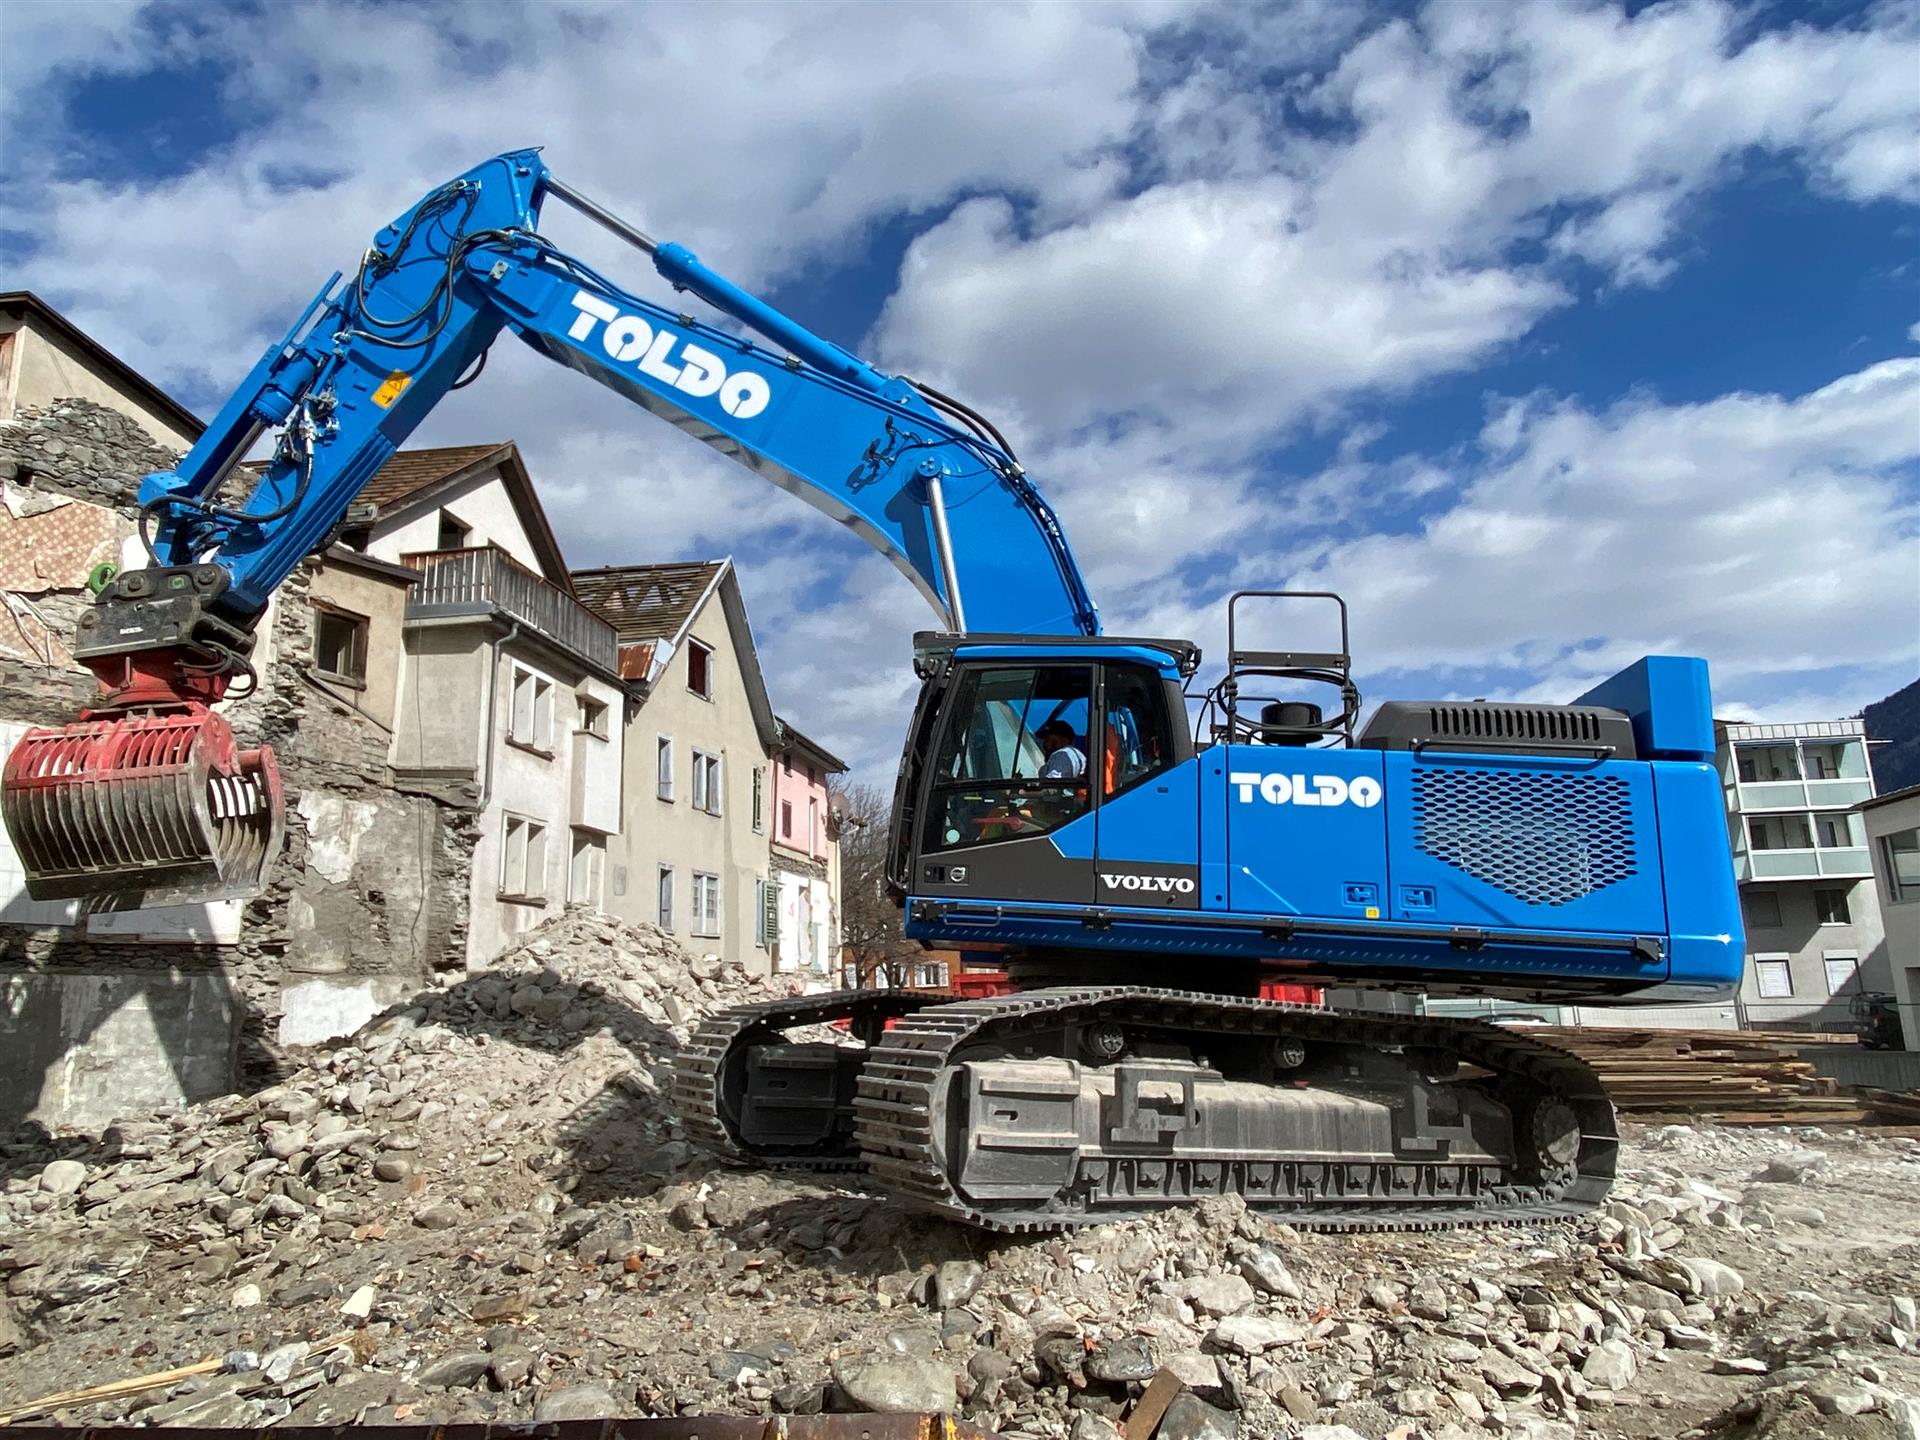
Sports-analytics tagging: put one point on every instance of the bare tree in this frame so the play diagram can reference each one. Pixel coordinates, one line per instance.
(876, 947)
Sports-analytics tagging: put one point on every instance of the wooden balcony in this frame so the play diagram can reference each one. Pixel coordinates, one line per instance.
(486, 581)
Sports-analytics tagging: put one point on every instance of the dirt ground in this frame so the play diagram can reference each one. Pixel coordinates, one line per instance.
(482, 1207)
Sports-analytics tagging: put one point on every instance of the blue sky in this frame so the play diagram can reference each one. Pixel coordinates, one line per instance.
(1550, 334)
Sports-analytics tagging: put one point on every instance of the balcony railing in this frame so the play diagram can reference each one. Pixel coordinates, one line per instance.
(1848, 861)
(488, 581)
(1840, 793)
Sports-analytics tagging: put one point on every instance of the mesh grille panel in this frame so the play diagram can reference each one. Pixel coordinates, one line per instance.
(1545, 839)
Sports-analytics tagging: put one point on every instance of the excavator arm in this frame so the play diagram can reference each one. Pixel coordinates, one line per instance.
(148, 800)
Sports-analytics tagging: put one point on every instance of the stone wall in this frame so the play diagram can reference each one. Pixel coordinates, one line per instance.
(368, 902)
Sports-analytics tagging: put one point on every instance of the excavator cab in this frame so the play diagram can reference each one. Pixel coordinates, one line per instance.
(982, 810)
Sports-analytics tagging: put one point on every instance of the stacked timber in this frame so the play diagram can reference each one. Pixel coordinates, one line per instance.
(1752, 1077)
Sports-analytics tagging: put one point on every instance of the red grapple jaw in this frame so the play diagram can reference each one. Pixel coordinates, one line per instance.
(143, 808)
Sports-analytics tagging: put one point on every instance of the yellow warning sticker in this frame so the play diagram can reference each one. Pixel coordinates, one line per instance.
(391, 387)
(1373, 912)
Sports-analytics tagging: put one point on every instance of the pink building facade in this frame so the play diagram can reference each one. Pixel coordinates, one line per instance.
(803, 860)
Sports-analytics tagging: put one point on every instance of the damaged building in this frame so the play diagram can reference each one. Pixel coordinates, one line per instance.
(456, 726)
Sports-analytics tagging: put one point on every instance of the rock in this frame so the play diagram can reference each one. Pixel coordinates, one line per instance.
(279, 1365)
(1417, 1400)
(359, 1305)
(1905, 1312)
(1428, 1301)
(461, 1367)
(510, 1365)
(1216, 1294)
(1740, 1365)
(1191, 1418)
(1255, 1334)
(1382, 1294)
(1331, 1432)
(63, 1177)
(899, 1385)
(989, 1367)
(588, 1400)
(1507, 1375)
(1795, 1168)
(1688, 1337)
(956, 1282)
(1297, 1403)
(1088, 1426)
(1710, 1279)
(245, 1298)
(392, 1167)
(1833, 1395)
(441, 1215)
(1064, 1356)
(730, 1365)
(1269, 1273)
(1115, 1361)
(1193, 1369)
(13, 1335)
(1611, 1365)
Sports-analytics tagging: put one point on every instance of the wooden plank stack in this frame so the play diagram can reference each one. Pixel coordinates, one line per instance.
(1738, 1077)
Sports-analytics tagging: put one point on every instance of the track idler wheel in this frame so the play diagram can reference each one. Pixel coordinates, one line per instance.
(148, 808)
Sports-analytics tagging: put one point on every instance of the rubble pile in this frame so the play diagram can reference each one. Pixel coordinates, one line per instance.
(481, 1207)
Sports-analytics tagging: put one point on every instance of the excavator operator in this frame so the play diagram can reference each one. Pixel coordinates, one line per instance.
(1065, 759)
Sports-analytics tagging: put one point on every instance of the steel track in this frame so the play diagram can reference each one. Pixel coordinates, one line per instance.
(901, 1085)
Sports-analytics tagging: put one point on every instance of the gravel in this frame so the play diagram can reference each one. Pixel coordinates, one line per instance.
(481, 1208)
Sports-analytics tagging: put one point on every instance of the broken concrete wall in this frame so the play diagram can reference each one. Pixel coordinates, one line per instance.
(367, 903)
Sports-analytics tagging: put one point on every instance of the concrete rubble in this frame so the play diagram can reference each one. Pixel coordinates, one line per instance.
(481, 1207)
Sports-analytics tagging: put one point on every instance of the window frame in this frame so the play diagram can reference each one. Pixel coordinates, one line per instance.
(1899, 892)
(360, 626)
(1771, 897)
(533, 832)
(1772, 959)
(447, 517)
(663, 896)
(759, 799)
(539, 711)
(594, 846)
(705, 896)
(709, 783)
(1849, 958)
(706, 664)
(962, 698)
(663, 768)
(1842, 893)
(590, 716)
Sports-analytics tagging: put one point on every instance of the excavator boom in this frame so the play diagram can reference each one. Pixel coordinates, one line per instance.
(149, 800)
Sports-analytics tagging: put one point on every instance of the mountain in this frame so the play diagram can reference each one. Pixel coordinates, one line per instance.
(1895, 720)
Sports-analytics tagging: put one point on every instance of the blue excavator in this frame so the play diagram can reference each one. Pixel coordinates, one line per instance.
(1140, 852)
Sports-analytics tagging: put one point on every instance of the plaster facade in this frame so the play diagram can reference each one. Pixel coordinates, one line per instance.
(804, 860)
(676, 822)
(1893, 836)
(40, 364)
(480, 505)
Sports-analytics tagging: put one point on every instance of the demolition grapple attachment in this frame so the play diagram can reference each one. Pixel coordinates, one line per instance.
(142, 808)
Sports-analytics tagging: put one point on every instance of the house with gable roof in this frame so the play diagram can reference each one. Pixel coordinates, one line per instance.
(692, 850)
(507, 693)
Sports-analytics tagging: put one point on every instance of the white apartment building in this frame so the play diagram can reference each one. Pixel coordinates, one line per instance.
(1815, 937)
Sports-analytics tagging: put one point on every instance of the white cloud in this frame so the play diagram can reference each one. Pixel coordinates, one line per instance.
(764, 137)
(1167, 260)
(1777, 536)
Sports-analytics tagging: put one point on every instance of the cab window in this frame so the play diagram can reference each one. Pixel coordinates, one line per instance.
(1138, 742)
(1013, 761)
